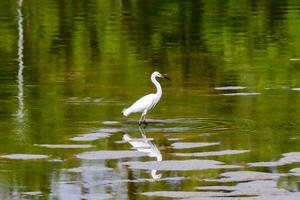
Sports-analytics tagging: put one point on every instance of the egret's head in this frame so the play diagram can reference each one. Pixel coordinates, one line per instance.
(157, 74)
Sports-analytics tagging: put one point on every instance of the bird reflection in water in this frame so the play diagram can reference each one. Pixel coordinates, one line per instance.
(144, 145)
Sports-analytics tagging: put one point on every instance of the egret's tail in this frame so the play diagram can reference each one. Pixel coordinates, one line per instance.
(126, 112)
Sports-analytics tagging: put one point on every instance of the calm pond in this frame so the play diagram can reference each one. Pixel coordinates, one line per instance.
(227, 125)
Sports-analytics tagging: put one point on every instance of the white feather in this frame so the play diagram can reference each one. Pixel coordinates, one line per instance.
(144, 103)
(147, 102)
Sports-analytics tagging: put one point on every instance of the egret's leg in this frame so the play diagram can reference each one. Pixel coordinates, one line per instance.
(141, 119)
(144, 117)
(146, 124)
(142, 131)
(144, 120)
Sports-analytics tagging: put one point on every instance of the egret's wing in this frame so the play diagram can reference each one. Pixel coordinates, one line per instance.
(143, 103)
(155, 101)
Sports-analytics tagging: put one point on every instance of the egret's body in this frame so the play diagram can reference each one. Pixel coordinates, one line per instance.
(147, 102)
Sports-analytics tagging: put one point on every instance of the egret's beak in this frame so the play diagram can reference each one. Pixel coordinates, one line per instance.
(166, 76)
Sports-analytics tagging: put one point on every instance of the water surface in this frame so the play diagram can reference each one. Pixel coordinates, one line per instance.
(229, 115)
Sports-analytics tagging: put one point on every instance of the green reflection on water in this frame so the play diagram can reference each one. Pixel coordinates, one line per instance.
(84, 61)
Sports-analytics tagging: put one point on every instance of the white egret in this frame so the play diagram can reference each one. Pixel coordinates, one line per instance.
(147, 102)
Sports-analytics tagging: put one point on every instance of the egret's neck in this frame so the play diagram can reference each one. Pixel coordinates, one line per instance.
(157, 85)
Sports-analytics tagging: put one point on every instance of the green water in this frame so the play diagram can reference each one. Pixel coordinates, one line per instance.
(68, 68)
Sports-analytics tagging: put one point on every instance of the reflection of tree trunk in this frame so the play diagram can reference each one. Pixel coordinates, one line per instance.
(20, 112)
(62, 44)
(131, 186)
